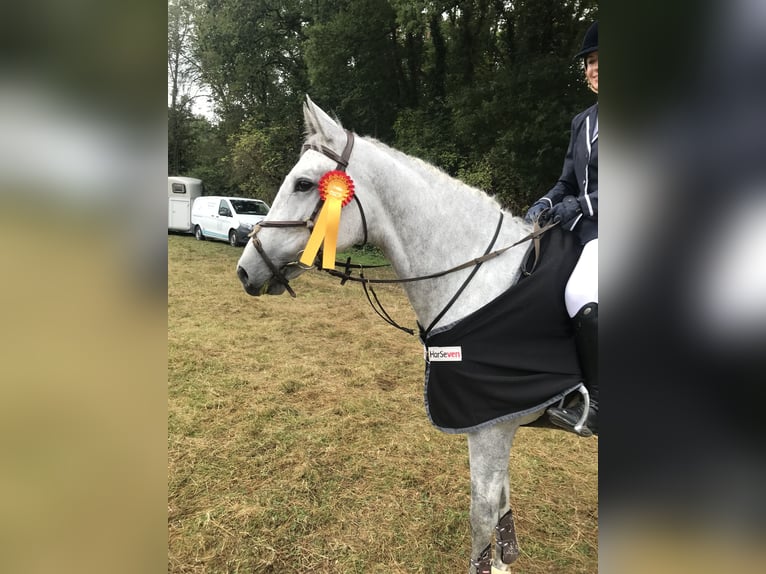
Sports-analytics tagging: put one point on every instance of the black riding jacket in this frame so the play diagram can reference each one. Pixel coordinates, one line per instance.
(579, 177)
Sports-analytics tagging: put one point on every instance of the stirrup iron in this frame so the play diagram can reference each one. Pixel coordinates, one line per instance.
(578, 428)
(586, 409)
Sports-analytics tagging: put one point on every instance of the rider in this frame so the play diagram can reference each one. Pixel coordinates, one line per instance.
(573, 203)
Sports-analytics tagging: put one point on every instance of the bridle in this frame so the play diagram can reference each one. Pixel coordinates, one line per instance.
(342, 164)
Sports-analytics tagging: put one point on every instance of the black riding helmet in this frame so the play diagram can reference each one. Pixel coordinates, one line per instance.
(589, 42)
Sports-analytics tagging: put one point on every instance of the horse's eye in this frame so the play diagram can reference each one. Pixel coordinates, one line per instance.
(303, 185)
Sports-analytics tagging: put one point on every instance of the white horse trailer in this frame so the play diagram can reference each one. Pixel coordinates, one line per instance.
(182, 191)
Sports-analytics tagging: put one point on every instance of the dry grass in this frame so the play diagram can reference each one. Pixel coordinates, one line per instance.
(298, 441)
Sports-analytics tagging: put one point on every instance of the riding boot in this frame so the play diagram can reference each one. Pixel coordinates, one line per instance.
(586, 340)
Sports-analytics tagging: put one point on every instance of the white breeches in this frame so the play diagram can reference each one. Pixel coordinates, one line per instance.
(582, 287)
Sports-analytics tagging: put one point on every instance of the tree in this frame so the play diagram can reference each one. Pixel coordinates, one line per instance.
(257, 160)
(209, 160)
(183, 80)
(352, 60)
(485, 89)
(250, 56)
(250, 53)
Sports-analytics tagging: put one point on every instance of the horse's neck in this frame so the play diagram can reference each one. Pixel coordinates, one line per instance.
(432, 223)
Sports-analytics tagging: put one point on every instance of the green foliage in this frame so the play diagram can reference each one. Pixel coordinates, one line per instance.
(210, 165)
(428, 134)
(180, 141)
(353, 66)
(477, 174)
(485, 90)
(258, 161)
(363, 255)
(250, 56)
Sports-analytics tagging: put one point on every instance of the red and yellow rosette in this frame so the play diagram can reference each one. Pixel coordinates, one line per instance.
(336, 189)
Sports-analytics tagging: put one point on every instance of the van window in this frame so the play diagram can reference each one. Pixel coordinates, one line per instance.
(249, 207)
(179, 188)
(223, 208)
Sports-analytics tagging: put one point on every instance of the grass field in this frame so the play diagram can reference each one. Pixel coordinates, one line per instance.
(298, 441)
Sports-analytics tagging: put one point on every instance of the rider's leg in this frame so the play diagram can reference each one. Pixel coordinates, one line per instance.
(582, 287)
(586, 339)
(581, 298)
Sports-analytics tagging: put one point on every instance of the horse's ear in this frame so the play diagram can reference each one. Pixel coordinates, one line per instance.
(319, 123)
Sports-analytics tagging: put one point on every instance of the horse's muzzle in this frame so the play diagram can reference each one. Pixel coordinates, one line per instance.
(250, 289)
(272, 286)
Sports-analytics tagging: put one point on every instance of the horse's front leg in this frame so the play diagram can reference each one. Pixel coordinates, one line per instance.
(489, 450)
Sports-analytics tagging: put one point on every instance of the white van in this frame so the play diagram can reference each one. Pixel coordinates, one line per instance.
(182, 191)
(226, 218)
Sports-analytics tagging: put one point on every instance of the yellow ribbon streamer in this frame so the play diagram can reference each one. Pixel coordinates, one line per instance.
(337, 189)
(315, 241)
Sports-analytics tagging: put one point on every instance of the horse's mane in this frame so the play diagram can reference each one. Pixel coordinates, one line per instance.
(432, 172)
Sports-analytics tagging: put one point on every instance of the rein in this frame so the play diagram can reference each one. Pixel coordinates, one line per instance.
(534, 235)
(345, 276)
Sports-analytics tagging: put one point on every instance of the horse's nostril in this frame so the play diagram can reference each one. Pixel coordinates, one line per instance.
(242, 274)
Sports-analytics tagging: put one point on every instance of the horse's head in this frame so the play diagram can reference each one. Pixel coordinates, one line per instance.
(272, 257)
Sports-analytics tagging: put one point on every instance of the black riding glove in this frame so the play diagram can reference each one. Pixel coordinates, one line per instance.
(566, 211)
(537, 208)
